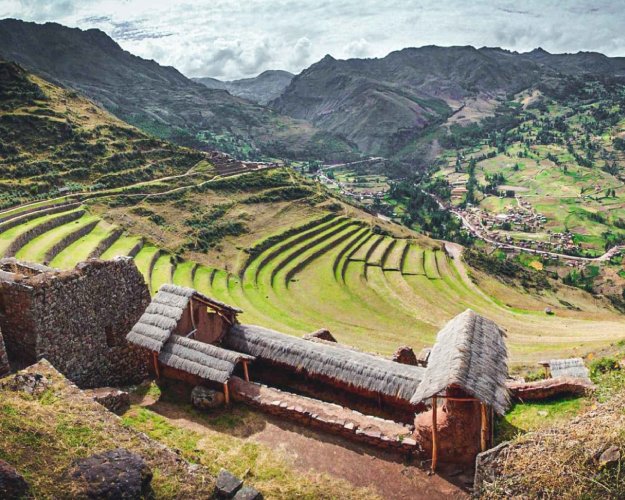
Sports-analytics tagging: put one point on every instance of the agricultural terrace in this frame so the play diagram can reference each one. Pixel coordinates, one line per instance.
(372, 290)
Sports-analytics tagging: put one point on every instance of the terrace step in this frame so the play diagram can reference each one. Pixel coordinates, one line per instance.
(329, 417)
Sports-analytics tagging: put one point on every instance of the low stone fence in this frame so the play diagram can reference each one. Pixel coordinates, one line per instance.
(327, 417)
(25, 237)
(67, 241)
(549, 388)
(104, 245)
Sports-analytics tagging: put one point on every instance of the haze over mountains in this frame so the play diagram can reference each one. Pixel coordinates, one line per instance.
(388, 106)
(262, 89)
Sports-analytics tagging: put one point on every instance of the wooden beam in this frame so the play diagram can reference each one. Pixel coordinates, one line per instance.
(226, 393)
(245, 372)
(484, 431)
(155, 361)
(434, 435)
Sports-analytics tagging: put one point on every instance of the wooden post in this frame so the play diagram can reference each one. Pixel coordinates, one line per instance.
(226, 393)
(484, 433)
(434, 436)
(245, 372)
(155, 361)
(492, 426)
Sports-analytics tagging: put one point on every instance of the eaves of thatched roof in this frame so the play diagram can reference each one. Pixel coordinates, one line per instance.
(348, 366)
(198, 358)
(470, 353)
(163, 314)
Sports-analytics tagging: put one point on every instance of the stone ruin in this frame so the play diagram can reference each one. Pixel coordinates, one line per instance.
(76, 319)
(4, 359)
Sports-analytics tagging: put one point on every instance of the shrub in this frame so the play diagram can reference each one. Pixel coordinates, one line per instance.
(603, 365)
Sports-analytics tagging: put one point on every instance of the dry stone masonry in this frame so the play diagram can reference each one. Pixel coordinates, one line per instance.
(4, 359)
(75, 319)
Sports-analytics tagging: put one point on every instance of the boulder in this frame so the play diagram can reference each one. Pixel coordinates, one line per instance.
(12, 484)
(248, 493)
(610, 456)
(227, 484)
(114, 400)
(204, 398)
(405, 355)
(487, 466)
(115, 474)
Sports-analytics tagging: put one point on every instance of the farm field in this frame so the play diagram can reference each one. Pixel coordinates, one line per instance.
(373, 291)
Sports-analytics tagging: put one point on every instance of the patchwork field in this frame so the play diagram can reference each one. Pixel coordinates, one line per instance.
(373, 291)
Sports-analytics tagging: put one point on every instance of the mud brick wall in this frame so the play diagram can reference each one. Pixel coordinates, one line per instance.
(4, 360)
(78, 321)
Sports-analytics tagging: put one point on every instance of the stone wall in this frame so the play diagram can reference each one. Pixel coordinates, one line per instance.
(4, 360)
(77, 320)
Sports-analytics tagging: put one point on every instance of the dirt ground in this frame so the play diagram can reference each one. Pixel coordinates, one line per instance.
(361, 465)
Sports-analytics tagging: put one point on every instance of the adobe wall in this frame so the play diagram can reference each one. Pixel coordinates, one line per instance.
(4, 360)
(78, 320)
(459, 429)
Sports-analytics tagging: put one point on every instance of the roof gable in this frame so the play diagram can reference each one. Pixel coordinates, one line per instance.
(469, 353)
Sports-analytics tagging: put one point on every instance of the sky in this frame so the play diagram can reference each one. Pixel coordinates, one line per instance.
(230, 39)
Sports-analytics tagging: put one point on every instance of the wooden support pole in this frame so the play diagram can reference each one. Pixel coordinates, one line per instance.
(484, 433)
(492, 427)
(226, 393)
(155, 361)
(245, 372)
(434, 435)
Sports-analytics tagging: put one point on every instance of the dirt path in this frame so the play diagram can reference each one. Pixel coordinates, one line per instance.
(362, 466)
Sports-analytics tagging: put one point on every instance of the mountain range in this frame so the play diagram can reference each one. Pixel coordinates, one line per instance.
(334, 110)
(262, 89)
(158, 99)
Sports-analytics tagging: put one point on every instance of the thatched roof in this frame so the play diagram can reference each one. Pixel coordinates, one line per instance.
(198, 358)
(163, 314)
(573, 367)
(470, 353)
(357, 369)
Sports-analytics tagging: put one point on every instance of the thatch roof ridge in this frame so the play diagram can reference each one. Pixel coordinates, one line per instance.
(161, 317)
(358, 369)
(190, 292)
(470, 353)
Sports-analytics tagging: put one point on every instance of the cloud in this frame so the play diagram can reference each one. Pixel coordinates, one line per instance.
(300, 56)
(358, 48)
(231, 39)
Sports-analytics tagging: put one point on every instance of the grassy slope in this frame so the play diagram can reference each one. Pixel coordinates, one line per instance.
(41, 435)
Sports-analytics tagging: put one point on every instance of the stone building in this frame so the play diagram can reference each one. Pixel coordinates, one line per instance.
(76, 319)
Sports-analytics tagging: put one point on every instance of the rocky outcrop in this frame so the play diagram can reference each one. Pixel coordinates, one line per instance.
(115, 474)
(12, 484)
